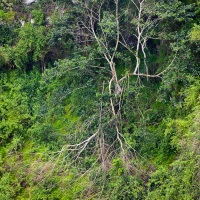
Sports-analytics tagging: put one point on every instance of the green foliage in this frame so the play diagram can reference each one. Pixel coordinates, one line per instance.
(195, 33)
(31, 45)
(42, 114)
(176, 182)
(132, 185)
(9, 186)
(14, 108)
(108, 23)
(7, 34)
(6, 3)
(38, 17)
(181, 179)
(7, 16)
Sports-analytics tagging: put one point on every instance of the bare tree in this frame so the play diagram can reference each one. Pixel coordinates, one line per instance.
(104, 26)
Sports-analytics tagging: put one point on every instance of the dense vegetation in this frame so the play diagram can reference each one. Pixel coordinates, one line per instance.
(100, 99)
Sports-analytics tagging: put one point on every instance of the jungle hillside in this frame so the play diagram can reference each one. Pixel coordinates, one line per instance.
(99, 99)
